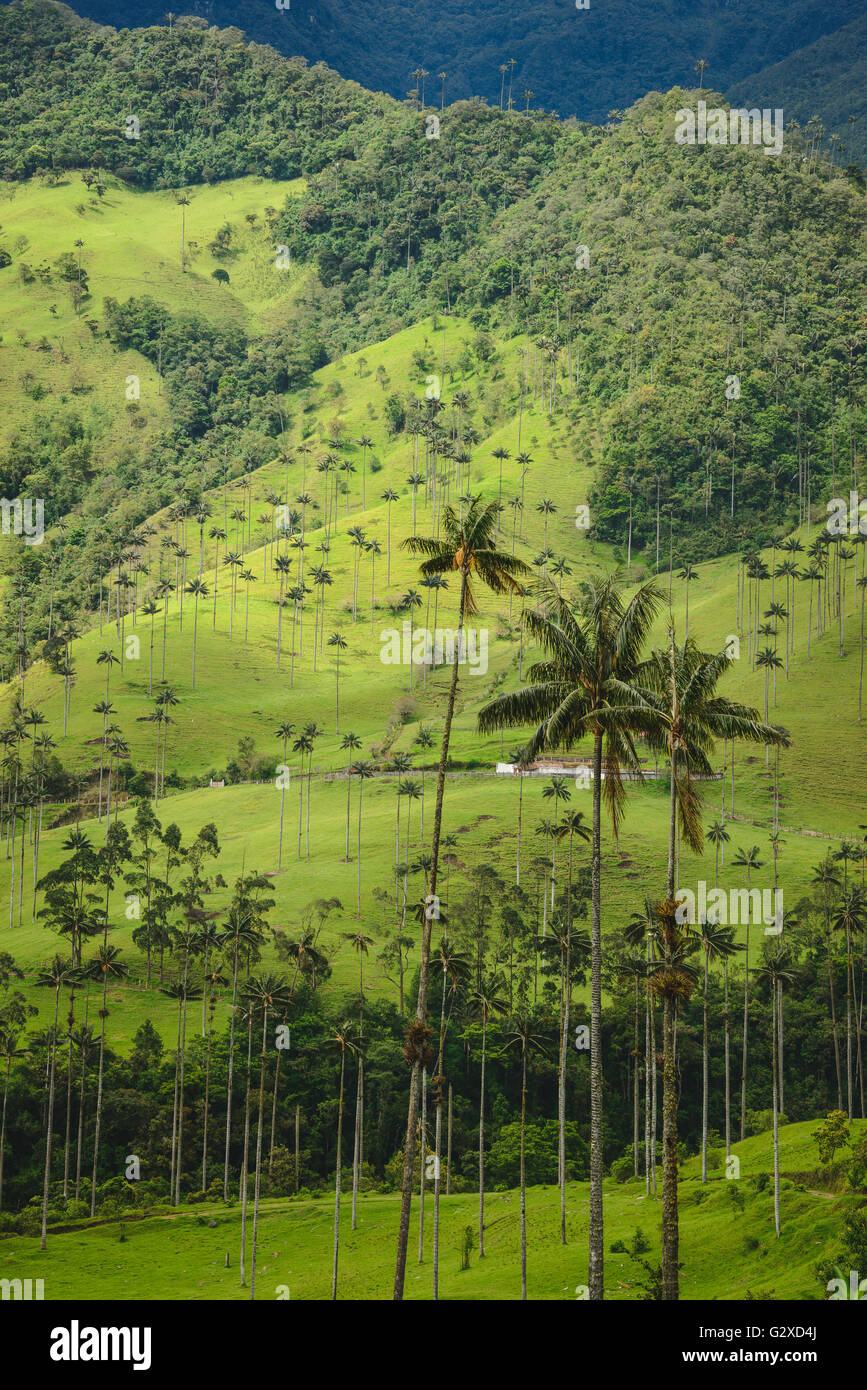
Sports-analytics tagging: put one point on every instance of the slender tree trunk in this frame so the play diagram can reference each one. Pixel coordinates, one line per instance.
(596, 1248)
(259, 1128)
(424, 967)
(50, 1121)
(523, 1181)
(482, 1142)
(337, 1178)
(244, 1160)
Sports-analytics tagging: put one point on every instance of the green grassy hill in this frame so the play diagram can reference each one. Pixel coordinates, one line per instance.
(729, 1250)
(132, 245)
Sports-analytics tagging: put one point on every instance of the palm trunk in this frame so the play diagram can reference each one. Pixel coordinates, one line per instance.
(98, 1124)
(258, 1161)
(337, 1178)
(423, 1155)
(49, 1123)
(774, 987)
(424, 967)
(230, 1070)
(482, 1142)
(523, 1181)
(704, 1075)
(596, 1249)
(670, 1233)
(246, 1155)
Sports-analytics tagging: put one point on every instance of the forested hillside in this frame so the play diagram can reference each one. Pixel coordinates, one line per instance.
(578, 62)
(416, 551)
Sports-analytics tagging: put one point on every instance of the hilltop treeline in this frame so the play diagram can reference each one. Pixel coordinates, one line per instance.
(707, 355)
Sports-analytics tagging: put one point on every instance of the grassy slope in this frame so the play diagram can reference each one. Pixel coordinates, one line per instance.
(131, 246)
(239, 689)
(182, 1257)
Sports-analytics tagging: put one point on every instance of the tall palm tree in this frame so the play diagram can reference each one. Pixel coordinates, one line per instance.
(214, 979)
(9, 1052)
(526, 1041)
(240, 933)
(350, 742)
(59, 975)
(103, 967)
(582, 688)
(573, 824)
(284, 732)
(672, 979)
(198, 590)
(388, 497)
(750, 860)
(719, 838)
(687, 716)
(825, 877)
(465, 544)
(283, 569)
(717, 943)
(776, 971)
(362, 770)
(455, 968)
(267, 997)
(340, 644)
(687, 574)
(342, 1038)
(850, 917)
(487, 1002)
(361, 945)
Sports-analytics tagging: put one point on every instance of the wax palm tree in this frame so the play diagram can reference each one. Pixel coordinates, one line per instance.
(59, 975)
(687, 574)
(184, 991)
(749, 859)
(284, 732)
(455, 969)
(362, 771)
(555, 791)
(573, 825)
(303, 745)
(267, 997)
(465, 544)
(388, 497)
(213, 980)
(776, 971)
(198, 590)
(104, 967)
(672, 979)
(850, 917)
(546, 508)
(240, 932)
(372, 548)
(826, 878)
(361, 944)
(283, 569)
(583, 688)
(486, 1003)
(424, 740)
(411, 790)
(717, 943)
(634, 968)
(344, 1039)
(719, 838)
(340, 644)
(526, 1042)
(351, 742)
(9, 1052)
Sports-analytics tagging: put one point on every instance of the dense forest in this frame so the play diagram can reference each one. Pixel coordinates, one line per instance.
(706, 267)
(578, 60)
